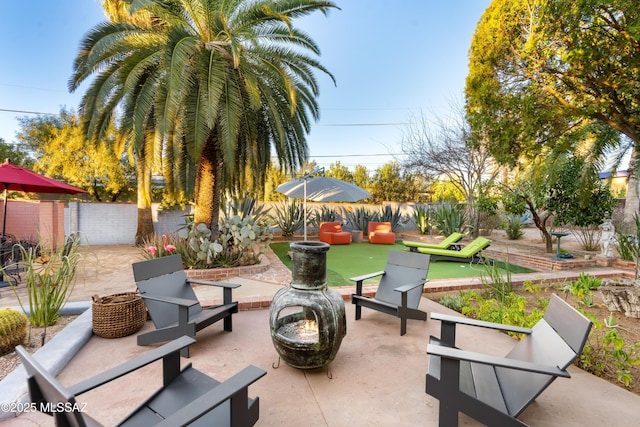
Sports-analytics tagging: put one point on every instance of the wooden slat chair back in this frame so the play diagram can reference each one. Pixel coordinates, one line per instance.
(401, 269)
(172, 303)
(165, 314)
(44, 388)
(400, 288)
(496, 390)
(186, 397)
(556, 340)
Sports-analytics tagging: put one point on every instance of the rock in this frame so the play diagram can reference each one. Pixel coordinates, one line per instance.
(622, 295)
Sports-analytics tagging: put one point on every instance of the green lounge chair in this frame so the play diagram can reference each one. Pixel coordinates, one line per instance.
(470, 253)
(448, 243)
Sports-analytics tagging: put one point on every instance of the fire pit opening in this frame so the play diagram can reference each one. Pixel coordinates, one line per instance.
(297, 324)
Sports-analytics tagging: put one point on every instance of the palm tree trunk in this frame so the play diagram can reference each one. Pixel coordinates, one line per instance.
(208, 187)
(145, 218)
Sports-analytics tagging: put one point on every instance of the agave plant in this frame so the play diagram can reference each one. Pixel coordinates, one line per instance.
(360, 217)
(421, 218)
(324, 214)
(450, 218)
(388, 214)
(289, 217)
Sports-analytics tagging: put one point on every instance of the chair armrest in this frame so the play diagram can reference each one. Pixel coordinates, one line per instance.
(457, 354)
(171, 300)
(446, 318)
(210, 283)
(367, 276)
(215, 397)
(162, 352)
(410, 286)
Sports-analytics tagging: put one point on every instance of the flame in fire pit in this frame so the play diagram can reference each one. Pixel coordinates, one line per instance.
(303, 331)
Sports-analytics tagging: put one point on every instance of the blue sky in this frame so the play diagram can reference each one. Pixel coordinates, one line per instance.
(393, 60)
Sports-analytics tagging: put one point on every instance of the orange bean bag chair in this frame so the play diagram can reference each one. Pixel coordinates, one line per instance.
(331, 233)
(380, 233)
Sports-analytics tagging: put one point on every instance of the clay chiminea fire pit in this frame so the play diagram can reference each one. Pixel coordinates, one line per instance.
(307, 319)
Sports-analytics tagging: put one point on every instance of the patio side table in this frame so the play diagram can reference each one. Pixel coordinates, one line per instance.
(357, 236)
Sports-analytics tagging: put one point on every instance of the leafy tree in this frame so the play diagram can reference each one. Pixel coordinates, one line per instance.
(64, 153)
(445, 191)
(339, 171)
(579, 200)
(542, 69)
(14, 154)
(389, 183)
(361, 177)
(275, 177)
(561, 190)
(228, 82)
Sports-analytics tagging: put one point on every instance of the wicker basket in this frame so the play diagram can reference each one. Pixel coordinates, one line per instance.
(118, 315)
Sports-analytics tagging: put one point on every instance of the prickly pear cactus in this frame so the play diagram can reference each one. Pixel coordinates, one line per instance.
(13, 329)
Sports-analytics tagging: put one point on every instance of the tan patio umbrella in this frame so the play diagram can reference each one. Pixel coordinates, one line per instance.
(321, 189)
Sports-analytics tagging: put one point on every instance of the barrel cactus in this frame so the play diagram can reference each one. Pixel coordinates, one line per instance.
(13, 329)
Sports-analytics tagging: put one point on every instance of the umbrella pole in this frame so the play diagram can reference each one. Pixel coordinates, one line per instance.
(305, 209)
(4, 218)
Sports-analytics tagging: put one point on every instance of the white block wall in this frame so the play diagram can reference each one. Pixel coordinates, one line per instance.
(114, 223)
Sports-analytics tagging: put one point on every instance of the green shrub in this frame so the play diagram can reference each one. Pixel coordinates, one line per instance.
(452, 301)
(13, 329)
(588, 236)
(513, 227)
(497, 285)
(606, 353)
(582, 286)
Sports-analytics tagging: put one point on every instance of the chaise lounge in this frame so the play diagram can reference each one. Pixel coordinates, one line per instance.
(449, 243)
(470, 253)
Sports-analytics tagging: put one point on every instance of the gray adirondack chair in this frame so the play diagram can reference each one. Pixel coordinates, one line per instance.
(495, 390)
(400, 288)
(187, 396)
(173, 305)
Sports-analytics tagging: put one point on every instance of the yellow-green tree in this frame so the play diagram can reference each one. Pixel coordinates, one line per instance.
(63, 152)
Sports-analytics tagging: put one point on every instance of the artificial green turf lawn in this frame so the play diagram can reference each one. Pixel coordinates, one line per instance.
(356, 259)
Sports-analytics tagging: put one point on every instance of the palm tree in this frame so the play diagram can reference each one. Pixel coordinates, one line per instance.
(131, 88)
(228, 81)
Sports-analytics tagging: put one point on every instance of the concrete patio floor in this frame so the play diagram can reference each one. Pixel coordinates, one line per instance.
(377, 377)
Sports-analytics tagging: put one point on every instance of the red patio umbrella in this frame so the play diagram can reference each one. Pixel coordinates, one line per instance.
(15, 178)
